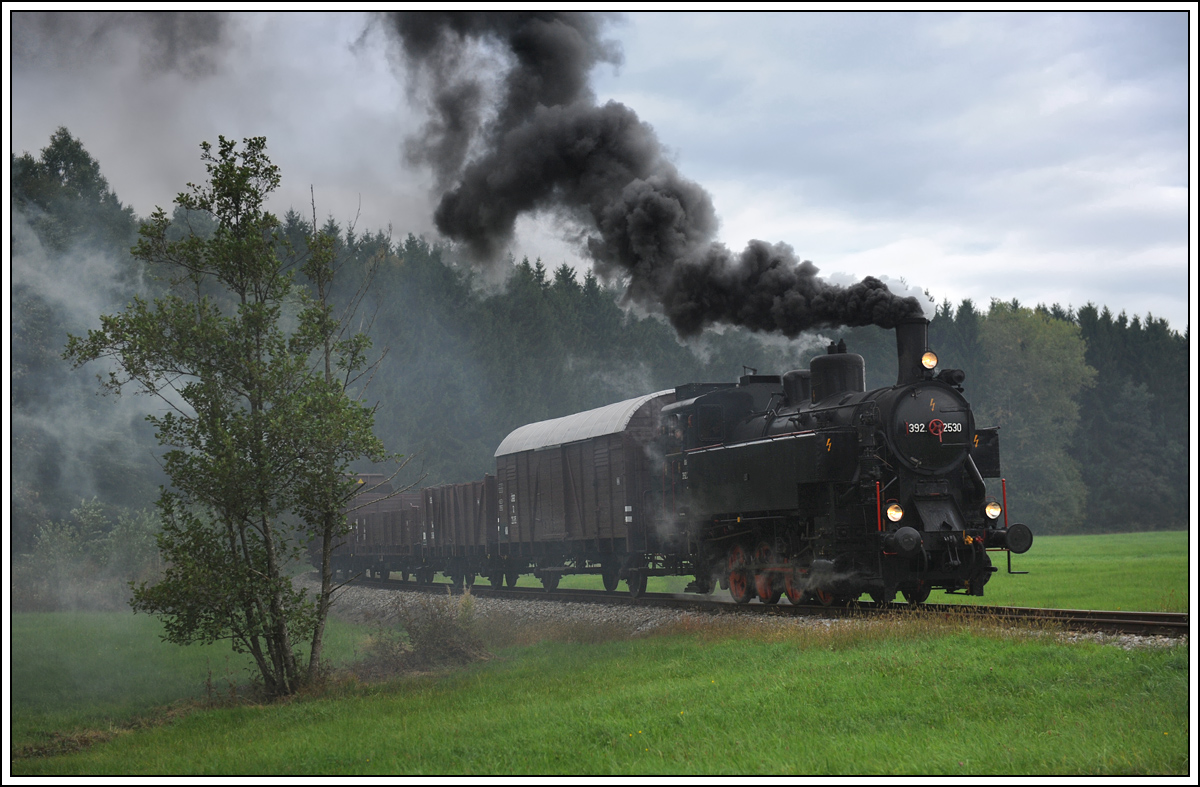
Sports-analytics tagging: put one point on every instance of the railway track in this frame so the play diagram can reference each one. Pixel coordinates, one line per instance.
(1170, 624)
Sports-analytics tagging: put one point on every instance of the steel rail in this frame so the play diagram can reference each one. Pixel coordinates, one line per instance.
(1170, 624)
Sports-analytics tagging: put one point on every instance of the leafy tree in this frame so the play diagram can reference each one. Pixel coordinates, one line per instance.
(260, 432)
(345, 427)
(1033, 372)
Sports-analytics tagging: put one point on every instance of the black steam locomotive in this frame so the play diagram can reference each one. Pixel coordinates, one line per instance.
(806, 485)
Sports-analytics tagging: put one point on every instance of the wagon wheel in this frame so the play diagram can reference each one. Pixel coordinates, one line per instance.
(469, 579)
(917, 595)
(765, 581)
(636, 583)
(496, 579)
(550, 581)
(610, 579)
(511, 578)
(740, 587)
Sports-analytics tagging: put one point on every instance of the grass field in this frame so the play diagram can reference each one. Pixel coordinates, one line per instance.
(91, 670)
(926, 696)
(1143, 571)
(923, 698)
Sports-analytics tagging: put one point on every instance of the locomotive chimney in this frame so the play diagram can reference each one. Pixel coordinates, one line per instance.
(912, 338)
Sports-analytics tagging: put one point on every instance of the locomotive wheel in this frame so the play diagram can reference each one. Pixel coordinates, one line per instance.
(636, 583)
(917, 595)
(825, 597)
(794, 587)
(765, 580)
(740, 587)
(981, 576)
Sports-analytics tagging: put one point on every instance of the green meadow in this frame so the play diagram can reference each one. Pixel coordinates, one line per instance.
(100, 694)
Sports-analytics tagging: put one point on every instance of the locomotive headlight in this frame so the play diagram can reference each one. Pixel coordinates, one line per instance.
(929, 359)
(895, 512)
(992, 510)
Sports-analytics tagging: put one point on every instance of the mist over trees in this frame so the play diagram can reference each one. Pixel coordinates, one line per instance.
(71, 238)
(470, 357)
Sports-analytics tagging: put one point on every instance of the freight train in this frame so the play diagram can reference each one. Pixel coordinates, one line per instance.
(805, 485)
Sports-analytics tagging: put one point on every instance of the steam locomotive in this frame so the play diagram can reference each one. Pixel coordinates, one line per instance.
(804, 484)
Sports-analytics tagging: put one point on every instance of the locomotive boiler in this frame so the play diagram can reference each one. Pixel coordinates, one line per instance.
(804, 484)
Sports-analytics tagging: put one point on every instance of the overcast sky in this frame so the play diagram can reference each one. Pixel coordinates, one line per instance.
(1034, 156)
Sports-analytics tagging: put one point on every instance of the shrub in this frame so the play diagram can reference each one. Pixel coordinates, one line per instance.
(434, 632)
(85, 562)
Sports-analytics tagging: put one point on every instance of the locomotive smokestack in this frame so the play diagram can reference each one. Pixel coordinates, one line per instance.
(912, 340)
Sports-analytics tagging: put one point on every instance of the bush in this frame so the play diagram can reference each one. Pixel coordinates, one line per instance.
(434, 632)
(86, 561)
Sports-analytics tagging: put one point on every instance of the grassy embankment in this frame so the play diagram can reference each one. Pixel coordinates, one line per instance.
(926, 696)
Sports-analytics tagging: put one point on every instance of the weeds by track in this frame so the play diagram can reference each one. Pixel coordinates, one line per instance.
(1171, 624)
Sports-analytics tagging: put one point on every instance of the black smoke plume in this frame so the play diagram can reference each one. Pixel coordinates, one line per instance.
(541, 143)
